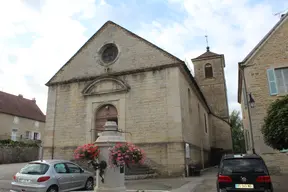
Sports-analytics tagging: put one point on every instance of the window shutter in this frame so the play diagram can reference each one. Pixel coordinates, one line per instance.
(272, 82)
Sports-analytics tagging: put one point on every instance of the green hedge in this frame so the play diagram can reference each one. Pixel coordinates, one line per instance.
(9, 142)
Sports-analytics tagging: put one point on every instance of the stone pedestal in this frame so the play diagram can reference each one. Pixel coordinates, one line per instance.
(114, 181)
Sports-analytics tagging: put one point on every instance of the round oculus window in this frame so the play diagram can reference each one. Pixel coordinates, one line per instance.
(109, 53)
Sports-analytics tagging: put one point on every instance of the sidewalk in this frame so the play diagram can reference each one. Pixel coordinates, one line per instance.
(186, 184)
(280, 182)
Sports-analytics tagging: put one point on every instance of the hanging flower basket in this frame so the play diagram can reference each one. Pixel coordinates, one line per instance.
(124, 154)
(89, 152)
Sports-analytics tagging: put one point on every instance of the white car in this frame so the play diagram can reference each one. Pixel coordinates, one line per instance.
(52, 176)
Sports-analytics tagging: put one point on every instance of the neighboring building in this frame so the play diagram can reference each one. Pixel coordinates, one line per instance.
(266, 74)
(20, 118)
(150, 93)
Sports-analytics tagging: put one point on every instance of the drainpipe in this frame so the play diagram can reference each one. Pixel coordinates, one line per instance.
(54, 121)
(248, 107)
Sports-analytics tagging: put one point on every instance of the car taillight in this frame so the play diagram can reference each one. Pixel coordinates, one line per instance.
(43, 179)
(263, 179)
(14, 177)
(224, 179)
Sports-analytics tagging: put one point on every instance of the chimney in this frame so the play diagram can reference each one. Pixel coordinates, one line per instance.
(34, 100)
(20, 95)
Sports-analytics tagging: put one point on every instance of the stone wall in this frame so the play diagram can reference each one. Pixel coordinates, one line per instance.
(18, 154)
(269, 55)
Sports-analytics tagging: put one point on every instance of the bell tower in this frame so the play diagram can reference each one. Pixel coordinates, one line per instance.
(210, 76)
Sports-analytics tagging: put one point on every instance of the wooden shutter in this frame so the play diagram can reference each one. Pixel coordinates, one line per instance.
(272, 82)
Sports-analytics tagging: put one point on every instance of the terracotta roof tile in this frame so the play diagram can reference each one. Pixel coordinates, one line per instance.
(21, 107)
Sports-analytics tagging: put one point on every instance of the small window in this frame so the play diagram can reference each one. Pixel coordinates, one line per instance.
(35, 169)
(60, 168)
(28, 135)
(208, 70)
(16, 120)
(14, 134)
(73, 168)
(189, 100)
(36, 136)
(205, 125)
(36, 124)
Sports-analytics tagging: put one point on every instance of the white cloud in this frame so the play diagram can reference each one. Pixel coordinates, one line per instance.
(57, 36)
(56, 33)
(233, 27)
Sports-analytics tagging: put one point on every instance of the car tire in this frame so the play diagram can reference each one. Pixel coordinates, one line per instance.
(89, 184)
(52, 189)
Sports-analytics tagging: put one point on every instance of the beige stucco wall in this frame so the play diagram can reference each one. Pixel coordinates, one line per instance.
(7, 123)
(193, 121)
(149, 113)
(273, 54)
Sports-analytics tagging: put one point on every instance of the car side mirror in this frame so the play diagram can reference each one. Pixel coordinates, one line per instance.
(81, 170)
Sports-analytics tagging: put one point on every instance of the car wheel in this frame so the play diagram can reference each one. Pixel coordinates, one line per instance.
(53, 189)
(89, 184)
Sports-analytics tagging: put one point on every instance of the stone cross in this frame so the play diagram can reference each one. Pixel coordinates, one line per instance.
(114, 180)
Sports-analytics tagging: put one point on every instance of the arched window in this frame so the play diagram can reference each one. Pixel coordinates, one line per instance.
(105, 113)
(208, 70)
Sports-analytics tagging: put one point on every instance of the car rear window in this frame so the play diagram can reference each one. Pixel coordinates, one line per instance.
(35, 169)
(230, 166)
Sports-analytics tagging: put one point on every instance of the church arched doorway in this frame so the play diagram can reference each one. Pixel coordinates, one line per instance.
(104, 113)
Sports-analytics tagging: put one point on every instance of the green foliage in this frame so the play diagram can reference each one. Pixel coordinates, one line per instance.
(237, 132)
(11, 143)
(275, 128)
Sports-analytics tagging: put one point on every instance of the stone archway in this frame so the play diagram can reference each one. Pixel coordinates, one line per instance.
(104, 113)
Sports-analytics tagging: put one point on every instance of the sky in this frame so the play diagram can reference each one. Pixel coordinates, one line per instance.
(37, 37)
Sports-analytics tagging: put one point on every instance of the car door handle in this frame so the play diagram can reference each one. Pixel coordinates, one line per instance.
(59, 177)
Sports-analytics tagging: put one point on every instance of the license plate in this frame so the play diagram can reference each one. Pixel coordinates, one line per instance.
(244, 186)
(25, 181)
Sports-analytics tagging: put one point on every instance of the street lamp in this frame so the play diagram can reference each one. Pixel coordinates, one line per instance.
(251, 101)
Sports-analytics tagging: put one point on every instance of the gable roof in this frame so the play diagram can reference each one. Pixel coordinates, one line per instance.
(284, 17)
(21, 107)
(122, 28)
(207, 55)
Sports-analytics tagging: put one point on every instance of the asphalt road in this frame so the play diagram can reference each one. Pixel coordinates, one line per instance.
(7, 171)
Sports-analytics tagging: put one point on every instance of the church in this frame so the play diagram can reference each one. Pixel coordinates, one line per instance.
(175, 117)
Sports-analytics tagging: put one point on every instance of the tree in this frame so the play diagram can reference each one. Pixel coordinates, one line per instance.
(275, 127)
(237, 132)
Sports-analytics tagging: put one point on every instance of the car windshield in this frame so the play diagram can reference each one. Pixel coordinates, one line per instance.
(243, 165)
(35, 169)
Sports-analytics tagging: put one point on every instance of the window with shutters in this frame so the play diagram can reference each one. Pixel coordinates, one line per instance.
(278, 81)
(208, 70)
(282, 80)
(28, 135)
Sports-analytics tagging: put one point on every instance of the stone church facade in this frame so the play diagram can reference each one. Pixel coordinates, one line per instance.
(151, 95)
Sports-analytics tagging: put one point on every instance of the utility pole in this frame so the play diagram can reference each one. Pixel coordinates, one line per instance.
(248, 108)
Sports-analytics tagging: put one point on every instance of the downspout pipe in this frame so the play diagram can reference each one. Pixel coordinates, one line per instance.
(54, 122)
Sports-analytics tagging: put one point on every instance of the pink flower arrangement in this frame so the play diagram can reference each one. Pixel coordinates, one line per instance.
(125, 153)
(87, 152)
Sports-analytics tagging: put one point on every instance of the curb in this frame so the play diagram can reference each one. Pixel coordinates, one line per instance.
(189, 187)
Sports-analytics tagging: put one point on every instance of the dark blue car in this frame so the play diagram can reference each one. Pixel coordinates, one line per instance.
(245, 172)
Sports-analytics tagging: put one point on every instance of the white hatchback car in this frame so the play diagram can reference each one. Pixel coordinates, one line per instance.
(52, 176)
